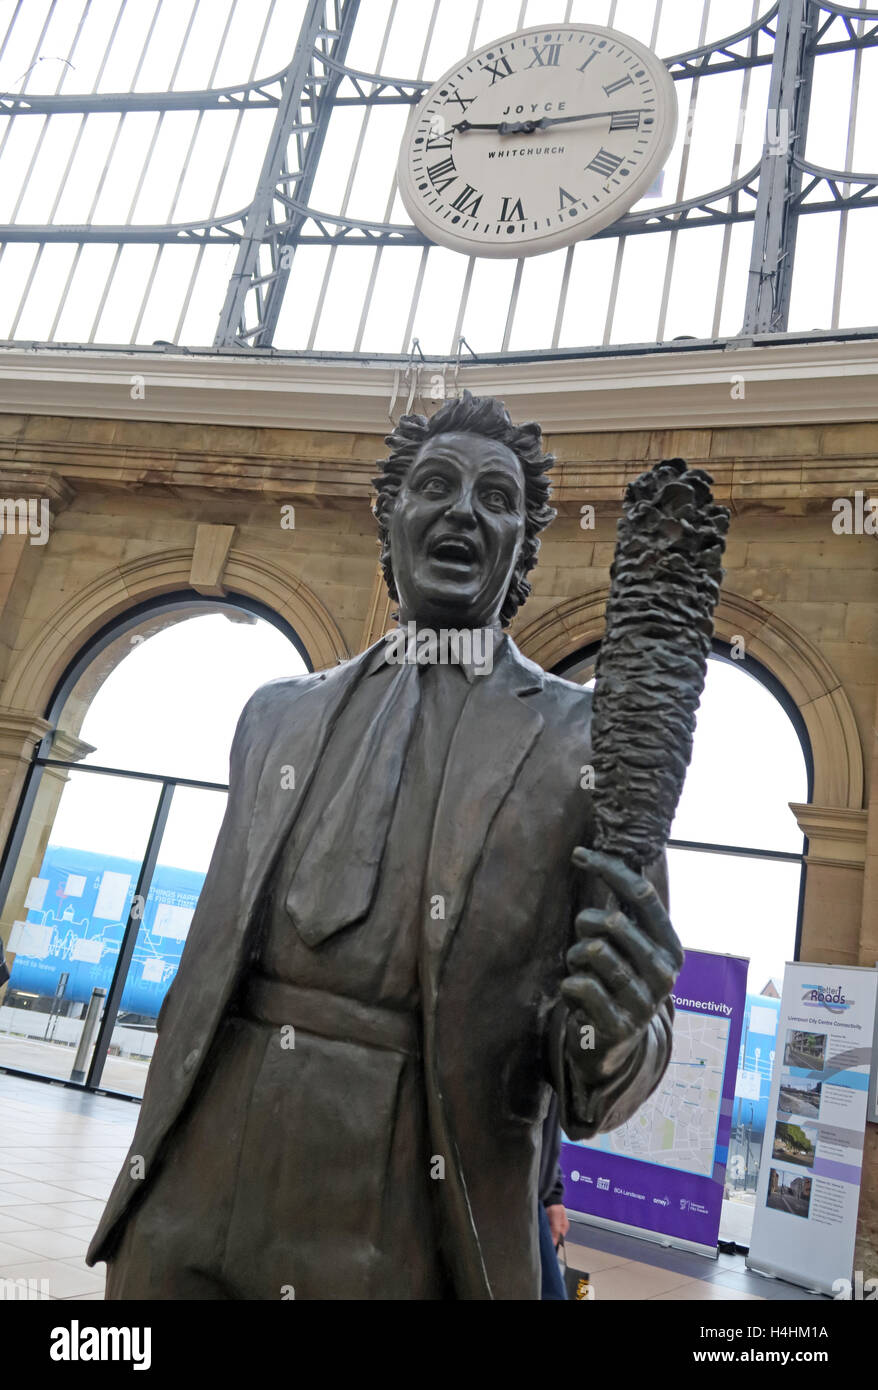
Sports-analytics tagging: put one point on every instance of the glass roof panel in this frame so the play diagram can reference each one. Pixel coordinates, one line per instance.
(82, 160)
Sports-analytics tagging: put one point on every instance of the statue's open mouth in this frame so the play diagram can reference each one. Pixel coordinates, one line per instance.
(454, 550)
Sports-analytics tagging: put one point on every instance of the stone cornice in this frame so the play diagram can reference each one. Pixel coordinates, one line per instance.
(796, 470)
(20, 732)
(25, 480)
(817, 381)
(68, 748)
(836, 835)
(290, 428)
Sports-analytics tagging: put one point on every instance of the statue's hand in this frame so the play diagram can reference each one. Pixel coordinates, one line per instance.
(623, 966)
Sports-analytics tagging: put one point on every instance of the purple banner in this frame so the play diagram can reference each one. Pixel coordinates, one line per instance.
(664, 1170)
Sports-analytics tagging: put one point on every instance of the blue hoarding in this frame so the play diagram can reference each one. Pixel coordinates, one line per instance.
(79, 906)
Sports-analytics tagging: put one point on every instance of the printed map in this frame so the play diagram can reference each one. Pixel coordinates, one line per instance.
(677, 1126)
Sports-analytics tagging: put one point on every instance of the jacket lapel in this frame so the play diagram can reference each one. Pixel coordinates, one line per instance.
(298, 744)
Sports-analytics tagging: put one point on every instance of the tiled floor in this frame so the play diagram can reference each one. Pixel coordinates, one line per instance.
(60, 1151)
(124, 1074)
(623, 1267)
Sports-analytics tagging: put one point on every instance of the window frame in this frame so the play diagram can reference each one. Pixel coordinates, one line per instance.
(722, 651)
(185, 599)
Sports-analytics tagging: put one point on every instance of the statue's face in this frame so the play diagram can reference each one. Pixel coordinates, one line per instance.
(456, 531)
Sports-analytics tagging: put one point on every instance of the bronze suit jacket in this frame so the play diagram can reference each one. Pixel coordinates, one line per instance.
(511, 810)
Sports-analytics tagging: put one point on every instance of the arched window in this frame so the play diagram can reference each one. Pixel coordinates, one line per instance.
(736, 869)
(116, 831)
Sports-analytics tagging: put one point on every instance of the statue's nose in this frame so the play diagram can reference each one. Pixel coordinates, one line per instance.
(461, 509)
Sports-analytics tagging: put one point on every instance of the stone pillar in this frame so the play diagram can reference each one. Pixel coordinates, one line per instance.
(841, 925)
(22, 555)
(866, 1256)
(53, 780)
(834, 889)
(19, 735)
(67, 748)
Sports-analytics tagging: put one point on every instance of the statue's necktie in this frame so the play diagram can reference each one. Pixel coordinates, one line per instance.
(335, 880)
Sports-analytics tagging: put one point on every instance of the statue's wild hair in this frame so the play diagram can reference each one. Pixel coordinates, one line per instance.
(484, 415)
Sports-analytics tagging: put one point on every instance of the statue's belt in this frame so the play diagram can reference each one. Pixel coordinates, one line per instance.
(329, 1015)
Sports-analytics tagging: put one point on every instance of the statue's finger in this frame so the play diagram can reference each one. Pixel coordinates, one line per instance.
(636, 893)
(653, 964)
(598, 957)
(587, 994)
(598, 921)
(622, 981)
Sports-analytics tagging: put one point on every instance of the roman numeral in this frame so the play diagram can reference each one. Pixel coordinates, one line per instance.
(462, 102)
(590, 59)
(549, 56)
(617, 86)
(625, 120)
(605, 163)
(468, 201)
(517, 213)
(438, 135)
(442, 174)
(564, 198)
(494, 69)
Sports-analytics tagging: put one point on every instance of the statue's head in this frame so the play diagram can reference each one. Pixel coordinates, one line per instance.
(461, 501)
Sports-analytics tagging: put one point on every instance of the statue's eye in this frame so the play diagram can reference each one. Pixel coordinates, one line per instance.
(434, 486)
(497, 499)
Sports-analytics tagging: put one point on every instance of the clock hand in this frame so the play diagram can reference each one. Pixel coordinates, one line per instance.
(464, 126)
(591, 115)
(528, 127)
(513, 128)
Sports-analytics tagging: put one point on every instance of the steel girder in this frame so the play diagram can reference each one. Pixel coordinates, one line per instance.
(846, 191)
(352, 88)
(267, 91)
(744, 49)
(780, 176)
(774, 195)
(784, 193)
(849, 19)
(290, 165)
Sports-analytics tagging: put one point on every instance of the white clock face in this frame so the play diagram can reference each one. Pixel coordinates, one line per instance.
(539, 139)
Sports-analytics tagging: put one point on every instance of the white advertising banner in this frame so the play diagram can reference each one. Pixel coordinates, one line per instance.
(809, 1174)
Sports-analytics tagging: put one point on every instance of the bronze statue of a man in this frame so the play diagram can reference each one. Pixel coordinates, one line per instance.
(397, 952)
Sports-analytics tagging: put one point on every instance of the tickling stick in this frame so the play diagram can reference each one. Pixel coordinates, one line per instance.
(652, 665)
